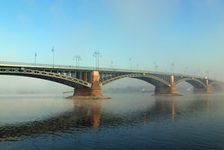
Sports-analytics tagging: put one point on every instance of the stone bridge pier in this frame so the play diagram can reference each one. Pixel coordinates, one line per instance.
(95, 90)
(208, 88)
(167, 90)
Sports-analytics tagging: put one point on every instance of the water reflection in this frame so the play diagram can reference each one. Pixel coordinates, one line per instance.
(93, 114)
(88, 111)
(165, 106)
(84, 114)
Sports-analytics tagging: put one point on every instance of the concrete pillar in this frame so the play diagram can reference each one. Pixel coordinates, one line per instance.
(95, 90)
(80, 75)
(165, 90)
(208, 88)
(172, 88)
(89, 77)
(96, 86)
(73, 74)
(85, 76)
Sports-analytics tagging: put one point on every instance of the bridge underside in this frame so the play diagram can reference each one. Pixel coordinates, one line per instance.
(81, 87)
(163, 87)
(72, 82)
(160, 87)
(196, 85)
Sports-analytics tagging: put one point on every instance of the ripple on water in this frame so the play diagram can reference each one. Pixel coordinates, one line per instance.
(134, 121)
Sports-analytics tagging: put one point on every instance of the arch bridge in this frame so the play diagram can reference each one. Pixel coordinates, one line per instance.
(89, 81)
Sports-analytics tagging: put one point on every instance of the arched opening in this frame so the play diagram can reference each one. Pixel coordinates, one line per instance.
(196, 83)
(184, 87)
(28, 85)
(128, 85)
(197, 86)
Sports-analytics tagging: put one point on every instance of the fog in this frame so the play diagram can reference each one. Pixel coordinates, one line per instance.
(26, 85)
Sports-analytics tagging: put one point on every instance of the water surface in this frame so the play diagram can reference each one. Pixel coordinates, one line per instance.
(127, 121)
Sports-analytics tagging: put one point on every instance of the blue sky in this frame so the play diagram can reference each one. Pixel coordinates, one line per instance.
(188, 33)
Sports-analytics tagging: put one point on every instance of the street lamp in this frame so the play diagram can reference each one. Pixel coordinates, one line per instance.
(35, 58)
(97, 55)
(172, 68)
(156, 67)
(52, 50)
(77, 60)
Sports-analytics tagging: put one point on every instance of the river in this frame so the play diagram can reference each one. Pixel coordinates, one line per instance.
(135, 121)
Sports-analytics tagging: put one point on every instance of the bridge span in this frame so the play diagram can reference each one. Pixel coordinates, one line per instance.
(88, 81)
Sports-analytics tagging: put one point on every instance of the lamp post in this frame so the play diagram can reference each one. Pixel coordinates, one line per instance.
(97, 55)
(35, 58)
(156, 67)
(172, 68)
(77, 60)
(52, 50)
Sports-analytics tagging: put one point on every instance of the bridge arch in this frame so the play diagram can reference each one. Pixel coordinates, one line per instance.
(50, 76)
(154, 80)
(196, 83)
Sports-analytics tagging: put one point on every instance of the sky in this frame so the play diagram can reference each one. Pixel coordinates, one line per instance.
(137, 34)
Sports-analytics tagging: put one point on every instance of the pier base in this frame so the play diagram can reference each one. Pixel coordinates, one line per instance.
(95, 90)
(166, 91)
(209, 89)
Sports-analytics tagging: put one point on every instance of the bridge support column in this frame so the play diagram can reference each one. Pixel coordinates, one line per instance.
(95, 90)
(208, 88)
(167, 90)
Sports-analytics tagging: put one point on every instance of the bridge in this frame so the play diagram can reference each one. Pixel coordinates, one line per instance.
(88, 81)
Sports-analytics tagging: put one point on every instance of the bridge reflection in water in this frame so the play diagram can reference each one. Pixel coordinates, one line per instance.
(90, 114)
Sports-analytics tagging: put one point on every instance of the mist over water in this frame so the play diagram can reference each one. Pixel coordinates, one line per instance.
(127, 121)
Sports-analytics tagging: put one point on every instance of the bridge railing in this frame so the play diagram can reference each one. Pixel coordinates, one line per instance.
(55, 66)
